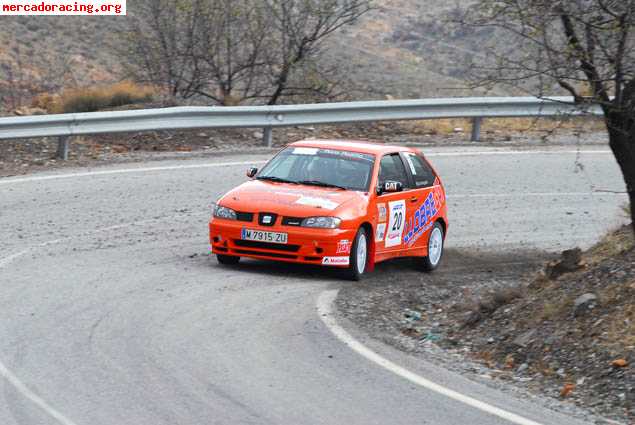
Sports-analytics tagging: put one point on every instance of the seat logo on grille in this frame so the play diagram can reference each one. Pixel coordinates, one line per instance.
(266, 219)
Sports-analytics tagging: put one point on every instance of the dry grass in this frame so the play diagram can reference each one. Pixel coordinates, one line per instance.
(556, 309)
(91, 99)
(611, 245)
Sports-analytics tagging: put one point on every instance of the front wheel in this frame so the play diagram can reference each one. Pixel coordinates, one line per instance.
(358, 259)
(227, 260)
(435, 249)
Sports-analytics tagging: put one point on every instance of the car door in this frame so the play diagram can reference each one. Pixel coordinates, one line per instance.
(423, 204)
(392, 207)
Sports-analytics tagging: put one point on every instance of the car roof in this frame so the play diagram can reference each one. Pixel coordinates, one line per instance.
(353, 146)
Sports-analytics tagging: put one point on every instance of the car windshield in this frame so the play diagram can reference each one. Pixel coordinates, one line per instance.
(320, 167)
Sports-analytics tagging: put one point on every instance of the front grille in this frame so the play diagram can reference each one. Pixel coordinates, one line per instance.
(267, 219)
(265, 254)
(245, 216)
(266, 245)
(292, 221)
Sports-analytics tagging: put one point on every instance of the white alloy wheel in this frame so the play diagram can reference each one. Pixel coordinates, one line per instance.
(435, 246)
(362, 250)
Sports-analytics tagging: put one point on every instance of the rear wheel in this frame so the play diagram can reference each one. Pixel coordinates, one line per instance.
(435, 249)
(358, 259)
(227, 260)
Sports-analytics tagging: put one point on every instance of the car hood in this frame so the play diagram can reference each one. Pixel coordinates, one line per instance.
(290, 200)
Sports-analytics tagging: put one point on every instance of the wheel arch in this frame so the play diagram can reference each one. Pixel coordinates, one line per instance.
(444, 225)
(370, 234)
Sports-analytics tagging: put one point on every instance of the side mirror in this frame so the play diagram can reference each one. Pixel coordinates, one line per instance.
(390, 187)
(252, 171)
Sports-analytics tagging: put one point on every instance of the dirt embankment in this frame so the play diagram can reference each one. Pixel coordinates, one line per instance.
(563, 328)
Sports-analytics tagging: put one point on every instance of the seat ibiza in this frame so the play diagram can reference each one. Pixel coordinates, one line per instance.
(341, 204)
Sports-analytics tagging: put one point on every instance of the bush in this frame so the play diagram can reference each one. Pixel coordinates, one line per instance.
(95, 99)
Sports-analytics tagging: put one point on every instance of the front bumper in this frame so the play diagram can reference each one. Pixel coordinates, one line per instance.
(304, 245)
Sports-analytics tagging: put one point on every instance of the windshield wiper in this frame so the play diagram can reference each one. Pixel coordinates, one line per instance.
(321, 184)
(276, 179)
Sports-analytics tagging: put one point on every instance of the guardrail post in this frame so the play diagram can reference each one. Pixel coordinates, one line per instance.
(476, 129)
(267, 137)
(62, 147)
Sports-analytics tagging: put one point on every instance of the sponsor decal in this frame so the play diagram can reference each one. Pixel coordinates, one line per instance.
(422, 220)
(305, 151)
(335, 261)
(439, 195)
(381, 232)
(344, 247)
(396, 223)
(392, 186)
(381, 213)
(347, 155)
(317, 202)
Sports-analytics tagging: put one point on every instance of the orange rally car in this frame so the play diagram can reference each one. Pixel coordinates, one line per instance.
(335, 203)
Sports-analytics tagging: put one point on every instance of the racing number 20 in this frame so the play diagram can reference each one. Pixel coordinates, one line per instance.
(397, 221)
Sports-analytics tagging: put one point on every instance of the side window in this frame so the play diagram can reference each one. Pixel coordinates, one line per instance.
(421, 171)
(391, 168)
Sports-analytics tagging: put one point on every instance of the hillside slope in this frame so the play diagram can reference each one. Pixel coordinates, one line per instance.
(390, 52)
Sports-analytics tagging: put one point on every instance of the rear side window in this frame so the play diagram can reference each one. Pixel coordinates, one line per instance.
(421, 171)
(391, 168)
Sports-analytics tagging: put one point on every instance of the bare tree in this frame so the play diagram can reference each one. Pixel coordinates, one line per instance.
(585, 48)
(160, 45)
(228, 53)
(236, 51)
(301, 27)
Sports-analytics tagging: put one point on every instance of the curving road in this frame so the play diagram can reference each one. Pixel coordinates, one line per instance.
(113, 313)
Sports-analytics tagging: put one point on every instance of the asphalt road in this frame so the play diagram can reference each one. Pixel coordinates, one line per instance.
(113, 313)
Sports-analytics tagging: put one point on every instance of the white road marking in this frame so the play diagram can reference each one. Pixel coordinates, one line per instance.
(534, 194)
(324, 302)
(26, 392)
(11, 258)
(13, 180)
(325, 311)
(4, 262)
(9, 376)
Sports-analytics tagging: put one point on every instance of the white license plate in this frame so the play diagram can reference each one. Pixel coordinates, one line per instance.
(262, 236)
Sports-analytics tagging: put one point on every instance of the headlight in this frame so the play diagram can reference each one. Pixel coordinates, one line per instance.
(322, 222)
(223, 212)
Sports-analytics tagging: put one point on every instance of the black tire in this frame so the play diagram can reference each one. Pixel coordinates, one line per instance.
(353, 272)
(428, 263)
(227, 260)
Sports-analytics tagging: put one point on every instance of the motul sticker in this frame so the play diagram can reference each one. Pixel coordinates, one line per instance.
(396, 222)
(335, 261)
(344, 247)
(381, 213)
(381, 232)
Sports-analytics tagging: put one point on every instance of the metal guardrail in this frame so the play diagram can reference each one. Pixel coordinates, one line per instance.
(268, 117)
